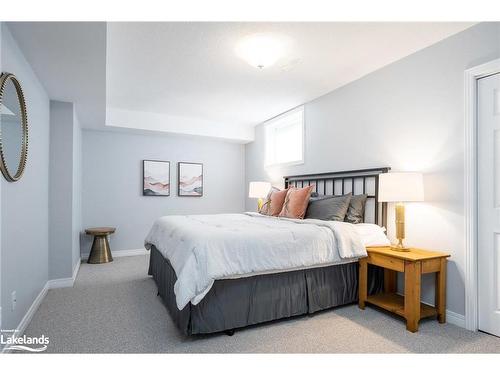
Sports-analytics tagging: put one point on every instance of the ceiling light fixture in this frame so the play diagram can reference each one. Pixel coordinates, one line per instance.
(261, 50)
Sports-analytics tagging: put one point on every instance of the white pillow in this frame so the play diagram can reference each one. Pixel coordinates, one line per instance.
(372, 235)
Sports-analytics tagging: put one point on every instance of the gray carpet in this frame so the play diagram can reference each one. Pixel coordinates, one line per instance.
(114, 308)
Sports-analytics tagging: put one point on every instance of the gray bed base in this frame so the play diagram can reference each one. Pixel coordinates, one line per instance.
(236, 303)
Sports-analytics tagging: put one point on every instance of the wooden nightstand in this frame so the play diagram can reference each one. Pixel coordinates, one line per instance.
(413, 264)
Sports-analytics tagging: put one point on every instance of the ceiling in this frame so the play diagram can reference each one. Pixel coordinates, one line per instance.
(186, 77)
(69, 58)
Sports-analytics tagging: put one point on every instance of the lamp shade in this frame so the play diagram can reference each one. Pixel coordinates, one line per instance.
(401, 187)
(258, 189)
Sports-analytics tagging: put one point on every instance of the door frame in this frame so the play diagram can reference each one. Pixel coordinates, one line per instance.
(470, 189)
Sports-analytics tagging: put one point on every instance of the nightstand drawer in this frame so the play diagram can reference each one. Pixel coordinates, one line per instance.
(386, 262)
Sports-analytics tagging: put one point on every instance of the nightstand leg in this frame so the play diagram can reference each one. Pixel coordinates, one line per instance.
(441, 292)
(363, 282)
(412, 295)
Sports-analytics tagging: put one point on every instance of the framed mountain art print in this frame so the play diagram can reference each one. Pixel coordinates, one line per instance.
(156, 178)
(190, 179)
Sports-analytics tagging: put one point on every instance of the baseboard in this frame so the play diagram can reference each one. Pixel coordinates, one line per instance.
(67, 282)
(129, 253)
(456, 319)
(29, 314)
(76, 269)
(121, 253)
(51, 284)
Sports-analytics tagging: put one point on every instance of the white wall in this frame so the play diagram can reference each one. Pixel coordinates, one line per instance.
(112, 184)
(409, 116)
(65, 190)
(77, 191)
(1, 273)
(24, 204)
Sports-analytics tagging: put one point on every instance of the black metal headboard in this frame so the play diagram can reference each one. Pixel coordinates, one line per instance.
(362, 181)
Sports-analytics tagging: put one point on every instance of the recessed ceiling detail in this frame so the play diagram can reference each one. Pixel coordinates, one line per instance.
(69, 58)
(199, 78)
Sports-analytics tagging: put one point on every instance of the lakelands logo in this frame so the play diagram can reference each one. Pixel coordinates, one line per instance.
(11, 341)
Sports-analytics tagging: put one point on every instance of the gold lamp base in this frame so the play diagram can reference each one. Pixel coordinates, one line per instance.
(400, 228)
(399, 248)
(260, 203)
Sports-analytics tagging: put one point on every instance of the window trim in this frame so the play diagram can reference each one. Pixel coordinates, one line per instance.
(269, 122)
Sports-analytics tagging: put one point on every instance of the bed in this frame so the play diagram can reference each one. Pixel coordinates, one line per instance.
(262, 281)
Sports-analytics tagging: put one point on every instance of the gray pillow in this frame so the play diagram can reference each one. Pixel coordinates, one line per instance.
(328, 207)
(356, 212)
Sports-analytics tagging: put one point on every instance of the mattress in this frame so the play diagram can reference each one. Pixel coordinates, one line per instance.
(205, 248)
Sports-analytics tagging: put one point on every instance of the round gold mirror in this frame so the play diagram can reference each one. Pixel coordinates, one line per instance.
(13, 128)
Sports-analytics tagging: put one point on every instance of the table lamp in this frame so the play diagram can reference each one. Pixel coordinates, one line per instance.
(400, 188)
(259, 189)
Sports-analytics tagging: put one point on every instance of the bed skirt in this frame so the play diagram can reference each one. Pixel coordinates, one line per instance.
(236, 303)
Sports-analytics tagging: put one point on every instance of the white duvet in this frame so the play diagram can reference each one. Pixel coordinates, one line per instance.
(204, 248)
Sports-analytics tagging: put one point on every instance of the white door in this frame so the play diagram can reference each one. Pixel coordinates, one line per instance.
(488, 163)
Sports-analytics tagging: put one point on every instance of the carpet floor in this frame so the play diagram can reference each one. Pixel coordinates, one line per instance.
(113, 308)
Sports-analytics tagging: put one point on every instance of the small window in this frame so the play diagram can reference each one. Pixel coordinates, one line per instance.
(285, 138)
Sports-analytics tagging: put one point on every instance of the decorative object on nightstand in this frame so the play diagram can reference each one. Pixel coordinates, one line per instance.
(100, 252)
(259, 189)
(413, 264)
(399, 188)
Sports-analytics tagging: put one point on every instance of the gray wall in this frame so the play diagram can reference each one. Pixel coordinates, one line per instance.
(1, 268)
(11, 139)
(409, 116)
(112, 185)
(65, 192)
(24, 204)
(77, 190)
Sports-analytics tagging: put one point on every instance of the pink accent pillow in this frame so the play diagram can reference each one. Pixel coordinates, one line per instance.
(277, 199)
(296, 202)
(274, 202)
